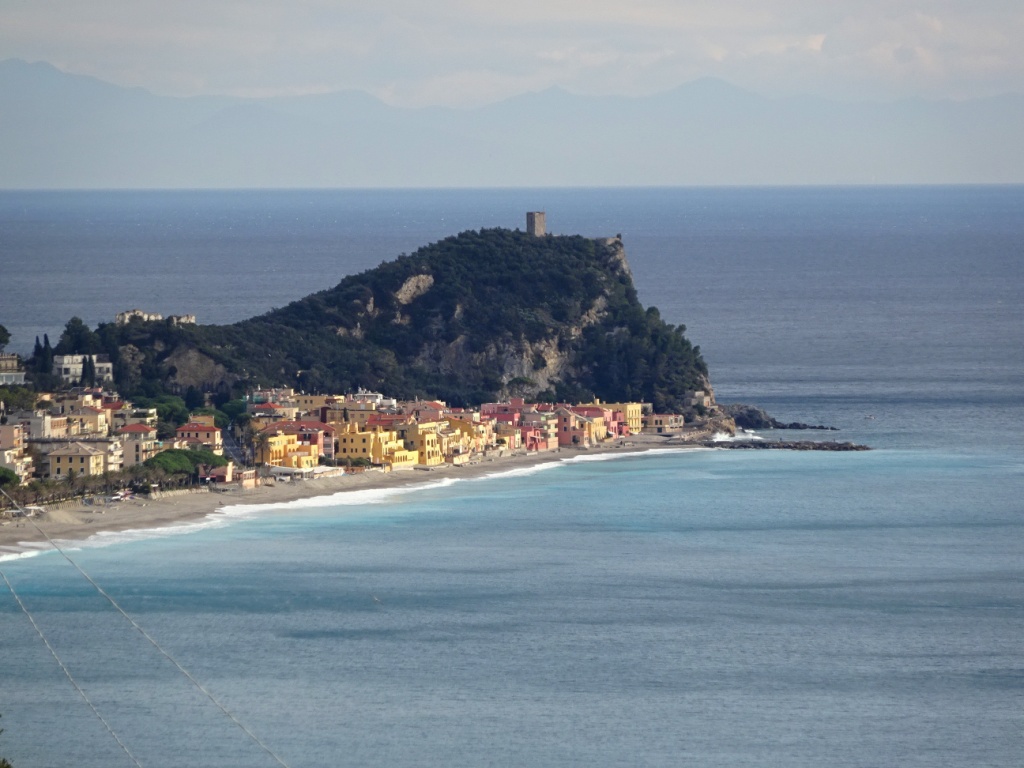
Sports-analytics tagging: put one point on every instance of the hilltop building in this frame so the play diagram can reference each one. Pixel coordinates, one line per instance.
(123, 318)
(69, 367)
(536, 223)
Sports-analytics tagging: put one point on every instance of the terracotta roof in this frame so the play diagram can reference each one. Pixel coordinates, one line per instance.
(193, 426)
(136, 428)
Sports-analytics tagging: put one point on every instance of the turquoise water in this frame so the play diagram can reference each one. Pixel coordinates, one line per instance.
(720, 607)
(715, 608)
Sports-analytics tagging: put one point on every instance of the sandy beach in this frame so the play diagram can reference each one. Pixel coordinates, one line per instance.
(81, 522)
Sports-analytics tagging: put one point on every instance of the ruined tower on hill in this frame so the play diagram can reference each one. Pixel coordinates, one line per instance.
(535, 223)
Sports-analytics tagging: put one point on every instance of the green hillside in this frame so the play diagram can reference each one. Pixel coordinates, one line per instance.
(471, 318)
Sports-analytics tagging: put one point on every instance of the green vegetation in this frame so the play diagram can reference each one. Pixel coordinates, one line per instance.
(8, 477)
(183, 461)
(465, 319)
(17, 398)
(171, 412)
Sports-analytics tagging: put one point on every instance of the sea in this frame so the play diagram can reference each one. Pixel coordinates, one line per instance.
(700, 607)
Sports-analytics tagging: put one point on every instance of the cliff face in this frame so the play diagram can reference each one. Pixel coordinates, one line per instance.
(474, 317)
(532, 354)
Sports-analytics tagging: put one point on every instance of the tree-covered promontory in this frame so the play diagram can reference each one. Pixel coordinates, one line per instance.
(471, 318)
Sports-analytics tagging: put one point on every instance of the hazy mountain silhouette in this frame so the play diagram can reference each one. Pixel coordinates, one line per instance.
(61, 130)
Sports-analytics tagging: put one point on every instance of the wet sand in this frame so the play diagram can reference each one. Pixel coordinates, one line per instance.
(81, 522)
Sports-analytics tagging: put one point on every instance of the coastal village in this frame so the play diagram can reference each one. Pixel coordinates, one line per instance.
(94, 441)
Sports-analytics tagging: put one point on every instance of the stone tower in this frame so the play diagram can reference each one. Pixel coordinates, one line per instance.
(535, 223)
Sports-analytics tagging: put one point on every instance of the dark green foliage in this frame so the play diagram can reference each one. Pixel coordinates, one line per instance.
(88, 372)
(8, 477)
(78, 339)
(184, 462)
(220, 419)
(194, 399)
(169, 408)
(467, 300)
(233, 408)
(5, 337)
(40, 367)
(652, 362)
(17, 398)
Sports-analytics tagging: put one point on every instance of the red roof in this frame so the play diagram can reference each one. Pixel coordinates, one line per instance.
(195, 427)
(136, 428)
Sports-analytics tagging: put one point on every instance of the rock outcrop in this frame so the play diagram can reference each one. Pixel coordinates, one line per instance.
(752, 417)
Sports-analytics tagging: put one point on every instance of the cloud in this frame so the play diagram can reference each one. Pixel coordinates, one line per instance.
(463, 52)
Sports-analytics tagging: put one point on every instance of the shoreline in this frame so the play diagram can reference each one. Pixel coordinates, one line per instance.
(20, 537)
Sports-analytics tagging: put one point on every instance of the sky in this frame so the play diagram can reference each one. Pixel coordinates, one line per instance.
(462, 53)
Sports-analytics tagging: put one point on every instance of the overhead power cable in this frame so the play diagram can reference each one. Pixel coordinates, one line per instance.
(67, 671)
(227, 713)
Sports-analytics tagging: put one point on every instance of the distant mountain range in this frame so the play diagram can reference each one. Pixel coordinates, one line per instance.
(59, 130)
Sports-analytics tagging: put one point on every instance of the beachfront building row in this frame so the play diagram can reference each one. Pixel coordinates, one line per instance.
(90, 430)
(369, 428)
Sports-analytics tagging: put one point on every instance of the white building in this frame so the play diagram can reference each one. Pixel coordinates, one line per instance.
(69, 367)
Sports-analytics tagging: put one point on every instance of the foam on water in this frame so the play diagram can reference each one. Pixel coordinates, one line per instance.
(232, 513)
(627, 455)
(745, 436)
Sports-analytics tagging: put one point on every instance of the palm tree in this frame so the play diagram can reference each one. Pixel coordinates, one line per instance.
(71, 483)
(107, 477)
(260, 441)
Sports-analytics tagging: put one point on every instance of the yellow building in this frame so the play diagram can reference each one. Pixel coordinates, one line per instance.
(389, 450)
(354, 443)
(480, 434)
(281, 450)
(273, 450)
(313, 403)
(634, 413)
(78, 458)
(302, 457)
(202, 437)
(341, 413)
(426, 440)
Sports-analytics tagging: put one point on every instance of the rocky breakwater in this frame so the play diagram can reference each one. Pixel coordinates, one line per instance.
(786, 445)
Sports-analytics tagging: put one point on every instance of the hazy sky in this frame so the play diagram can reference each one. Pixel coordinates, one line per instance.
(463, 53)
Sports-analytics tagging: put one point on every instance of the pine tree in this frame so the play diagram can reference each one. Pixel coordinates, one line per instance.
(88, 372)
(46, 360)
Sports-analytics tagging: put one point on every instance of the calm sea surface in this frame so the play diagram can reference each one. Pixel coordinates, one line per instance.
(710, 608)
